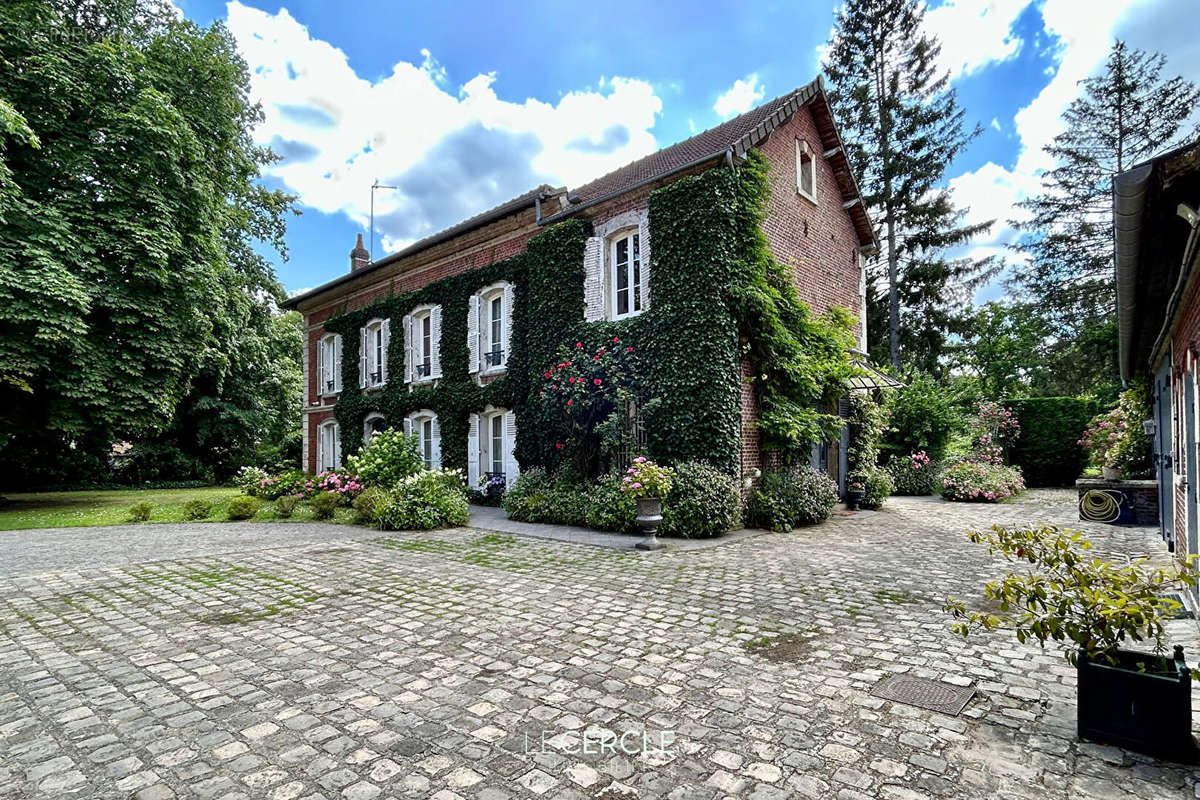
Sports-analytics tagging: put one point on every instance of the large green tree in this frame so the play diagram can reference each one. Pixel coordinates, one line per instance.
(1127, 113)
(1003, 345)
(129, 202)
(902, 127)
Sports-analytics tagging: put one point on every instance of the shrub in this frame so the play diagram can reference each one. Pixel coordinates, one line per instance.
(285, 506)
(140, 512)
(609, 508)
(973, 481)
(1133, 451)
(272, 487)
(862, 455)
(915, 474)
(249, 479)
(197, 509)
(1049, 452)
(368, 505)
(429, 499)
(923, 415)
(798, 496)
(242, 508)
(324, 505)
(388, 458)
(702, 502)
(530, 499)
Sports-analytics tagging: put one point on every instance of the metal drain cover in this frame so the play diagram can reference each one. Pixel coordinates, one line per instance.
(924, 693)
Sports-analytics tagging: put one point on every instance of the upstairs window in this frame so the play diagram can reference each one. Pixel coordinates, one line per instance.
(422, 335)
(625, 260)
(329, 364)
(806, 171)
(489, 329)
(373, 355)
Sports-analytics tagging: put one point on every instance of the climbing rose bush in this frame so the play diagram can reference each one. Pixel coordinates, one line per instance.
(914, 474)
(995, 429)
(975, 482)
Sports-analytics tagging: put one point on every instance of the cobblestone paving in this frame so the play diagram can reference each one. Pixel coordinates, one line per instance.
(463, 664)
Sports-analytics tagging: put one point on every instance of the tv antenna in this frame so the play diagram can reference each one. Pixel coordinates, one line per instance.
(374, 186)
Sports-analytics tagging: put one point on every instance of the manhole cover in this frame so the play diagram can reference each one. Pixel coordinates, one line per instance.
(924, 693)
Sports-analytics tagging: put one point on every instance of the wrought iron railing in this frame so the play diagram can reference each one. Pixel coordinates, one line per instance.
(494, 358)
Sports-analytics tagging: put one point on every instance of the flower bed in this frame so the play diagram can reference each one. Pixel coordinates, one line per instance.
(980, 482)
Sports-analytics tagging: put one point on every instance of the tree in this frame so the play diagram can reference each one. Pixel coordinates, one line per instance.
(128, 205)
(902, 126)
(1124, 115)
(1004, 346)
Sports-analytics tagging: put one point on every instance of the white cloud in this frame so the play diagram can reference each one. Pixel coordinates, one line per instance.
(975, 33)
(454, 151)
(739, 98)
(995, 124)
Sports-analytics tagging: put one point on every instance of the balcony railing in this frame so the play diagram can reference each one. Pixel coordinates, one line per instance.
(377, 377)
(424, 370)
(493, 358)
(329, 386)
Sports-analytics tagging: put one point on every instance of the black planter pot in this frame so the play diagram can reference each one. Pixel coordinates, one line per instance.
(1149, 712)
(853, 498)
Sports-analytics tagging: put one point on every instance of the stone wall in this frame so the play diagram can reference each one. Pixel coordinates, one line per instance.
(1118, 502)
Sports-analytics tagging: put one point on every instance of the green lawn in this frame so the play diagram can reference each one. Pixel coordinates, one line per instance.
(111, 507)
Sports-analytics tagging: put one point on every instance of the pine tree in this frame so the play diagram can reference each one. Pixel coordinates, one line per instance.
(902, 126)
(1122, 116)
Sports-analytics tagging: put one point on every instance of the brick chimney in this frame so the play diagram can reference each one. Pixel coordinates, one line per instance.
(359, 257)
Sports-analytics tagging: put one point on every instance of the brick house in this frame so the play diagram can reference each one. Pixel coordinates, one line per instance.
(1157, 237)
(815, 224)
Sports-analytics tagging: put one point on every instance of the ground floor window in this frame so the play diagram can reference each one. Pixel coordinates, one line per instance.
(329, 447)
(490, 443)
(424, 426)
(373, 424)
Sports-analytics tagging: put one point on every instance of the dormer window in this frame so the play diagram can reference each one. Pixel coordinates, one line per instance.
(489, 329)
(329, 364)
(625, 267)
(806, 171)
(422, 342)
(374, 338)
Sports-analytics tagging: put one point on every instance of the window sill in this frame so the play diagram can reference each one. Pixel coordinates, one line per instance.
(497, 370)
(623, 317)
(375, 386)
(812, 198)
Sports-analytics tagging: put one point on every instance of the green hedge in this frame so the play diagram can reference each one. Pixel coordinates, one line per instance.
(1048, 450)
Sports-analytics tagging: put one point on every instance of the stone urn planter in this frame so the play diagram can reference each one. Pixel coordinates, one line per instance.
(1143, 703)
(853, 498)
(649, 517)
(1111, 473)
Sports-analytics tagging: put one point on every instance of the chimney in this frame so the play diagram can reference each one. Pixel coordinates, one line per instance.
(359, 257)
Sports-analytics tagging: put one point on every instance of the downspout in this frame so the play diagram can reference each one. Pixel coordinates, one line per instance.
(729, 159)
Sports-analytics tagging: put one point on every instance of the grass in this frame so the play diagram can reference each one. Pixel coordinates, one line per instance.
(112, 507)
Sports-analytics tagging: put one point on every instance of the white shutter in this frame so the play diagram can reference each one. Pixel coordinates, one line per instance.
(408, 426)
(593, 279)
(363, 368)
(387, 339)
(337, 363)
(511, 470)
(473, 335)
(473, 452)
(320, 448)
(437, 443)
(506, 341)
(337, 446)
(321, 367)
(406, 329)
(435, 342)
(644, 252)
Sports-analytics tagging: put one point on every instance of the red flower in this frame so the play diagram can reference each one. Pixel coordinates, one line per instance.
(628, 349)
(570, 380)
(558, 445)
(579, 345)
(596, 381)
(617, 339)
(595, 358)
(568, 402)
(547, 374)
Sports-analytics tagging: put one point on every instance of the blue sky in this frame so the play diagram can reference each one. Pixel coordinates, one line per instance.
(464, 107)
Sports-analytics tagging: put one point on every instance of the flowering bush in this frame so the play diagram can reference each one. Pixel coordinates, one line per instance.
(979, 482)
(428, 499)
(994, 429)
(1102, 436)
(1116, 438)
(389, 457)
(249, 479)
(646, 479)
(914, 474)
(345, 485)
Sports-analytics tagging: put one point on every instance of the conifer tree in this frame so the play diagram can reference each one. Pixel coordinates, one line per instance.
(1126, 114)
(902, 126)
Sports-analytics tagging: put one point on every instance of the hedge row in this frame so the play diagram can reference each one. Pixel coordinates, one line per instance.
(1048, 450)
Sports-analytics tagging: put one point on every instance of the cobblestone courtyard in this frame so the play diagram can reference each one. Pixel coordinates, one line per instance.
(464, 664)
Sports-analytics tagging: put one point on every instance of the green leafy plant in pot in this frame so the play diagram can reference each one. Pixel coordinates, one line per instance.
(648, 483)
(1092, 608)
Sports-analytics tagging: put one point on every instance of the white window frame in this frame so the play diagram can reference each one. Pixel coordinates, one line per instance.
(636, 302)
(423, 349)
(487, 324)
(423, 424)
(806, 159)
(329, 446)
(367, 420)
(377, 353)
(329, 356)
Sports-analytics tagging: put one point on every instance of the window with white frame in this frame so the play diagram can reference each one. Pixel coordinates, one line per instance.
(373, 424)
(422, 343)
(625, 273)
(489, 328)
(329, 447)
(424, 426)
(373, 353)
(491, 438)
(329, 364)
(806, 170)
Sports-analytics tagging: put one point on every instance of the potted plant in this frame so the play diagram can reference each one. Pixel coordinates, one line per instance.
(648, 483)
(854, 495)
(1102, 440)
(1093, 608)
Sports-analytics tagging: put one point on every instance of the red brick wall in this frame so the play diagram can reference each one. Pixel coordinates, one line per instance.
(751, 449)
(314, 421)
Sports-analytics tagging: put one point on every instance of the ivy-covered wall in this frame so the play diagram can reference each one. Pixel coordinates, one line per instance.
(716, 294)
